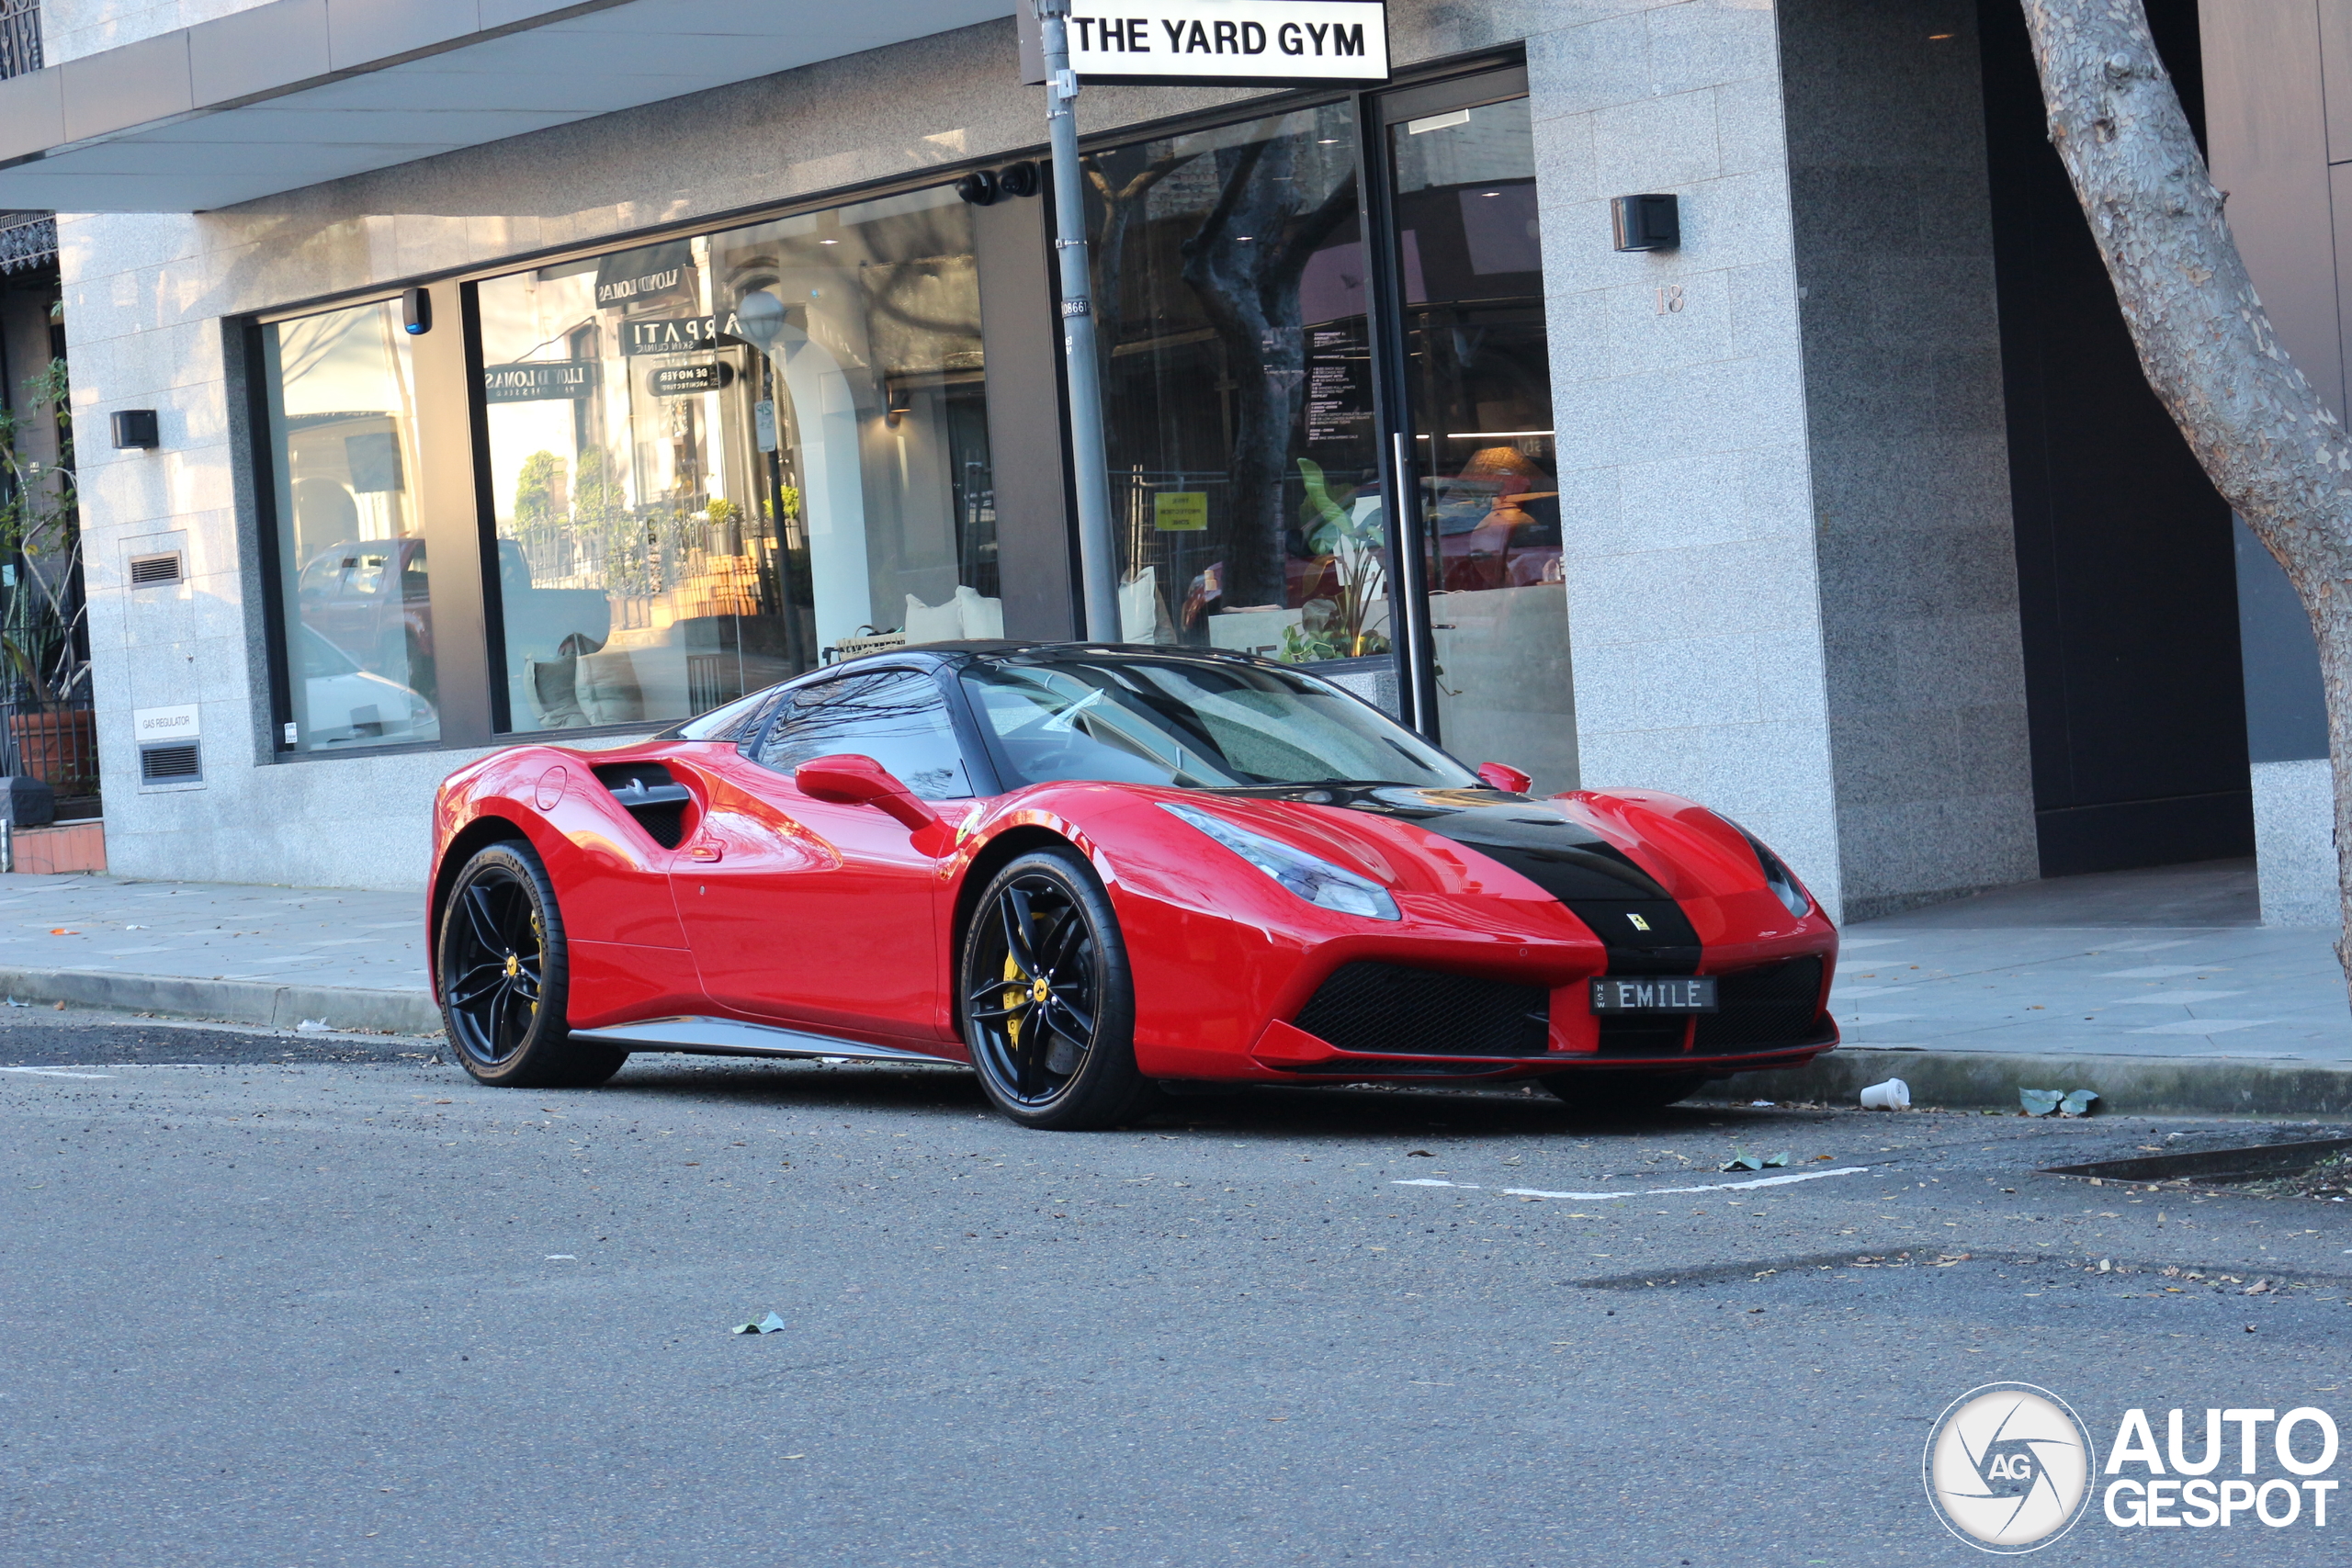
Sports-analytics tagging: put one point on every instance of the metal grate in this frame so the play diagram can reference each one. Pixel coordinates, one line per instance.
(1394, 1010)
(28, 240)
(1777, 1005)
(20, 37)
(179, 762)
(153, 571)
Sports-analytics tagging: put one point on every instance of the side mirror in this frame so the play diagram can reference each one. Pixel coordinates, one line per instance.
(852, 780)
(1504, 777)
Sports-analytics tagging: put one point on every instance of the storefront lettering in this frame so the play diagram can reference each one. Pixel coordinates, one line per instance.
(1131, 35)
(538, 381)
(686, 380)
(679, 334)
(1238, 42)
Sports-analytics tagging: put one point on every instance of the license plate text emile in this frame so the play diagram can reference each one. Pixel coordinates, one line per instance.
(1653, 993)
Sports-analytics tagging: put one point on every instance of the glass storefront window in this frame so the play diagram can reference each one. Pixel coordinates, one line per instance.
(1237, 388)
(720, 461)
(357, 591)
(1477, 398)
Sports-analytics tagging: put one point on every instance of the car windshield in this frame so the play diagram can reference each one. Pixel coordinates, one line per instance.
(1191, 725)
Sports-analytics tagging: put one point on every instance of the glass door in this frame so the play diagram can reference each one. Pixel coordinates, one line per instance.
(1470, 428)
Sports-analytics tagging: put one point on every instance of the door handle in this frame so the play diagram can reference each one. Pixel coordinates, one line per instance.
(705, 853)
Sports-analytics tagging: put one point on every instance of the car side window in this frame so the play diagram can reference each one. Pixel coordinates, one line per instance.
(896, 717)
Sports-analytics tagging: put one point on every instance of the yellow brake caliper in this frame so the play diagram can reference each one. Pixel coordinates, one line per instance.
(1012, 998)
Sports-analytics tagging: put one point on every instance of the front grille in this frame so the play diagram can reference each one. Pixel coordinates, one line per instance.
(1777, 1005)
(1633, 1035)
(1391, 1010)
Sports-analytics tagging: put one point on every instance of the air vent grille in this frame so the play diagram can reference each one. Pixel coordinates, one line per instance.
(179, 762)
(657, 801)
(1394, 1009)
(155, 572)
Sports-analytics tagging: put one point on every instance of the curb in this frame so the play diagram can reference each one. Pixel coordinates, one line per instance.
(1971, 1080)
(263, 1002)
(2132, 1086)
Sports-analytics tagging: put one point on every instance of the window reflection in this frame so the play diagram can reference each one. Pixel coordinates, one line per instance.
(1479, 400)
(357, 592)
(1237, 379)
(720, 461)
(896, 717)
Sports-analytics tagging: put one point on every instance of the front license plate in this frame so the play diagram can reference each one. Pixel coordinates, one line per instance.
(1653, 993)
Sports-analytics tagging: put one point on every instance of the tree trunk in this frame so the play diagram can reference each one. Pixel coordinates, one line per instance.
(2274, 450)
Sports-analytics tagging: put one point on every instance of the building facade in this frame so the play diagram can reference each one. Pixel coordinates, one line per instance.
(527, 373)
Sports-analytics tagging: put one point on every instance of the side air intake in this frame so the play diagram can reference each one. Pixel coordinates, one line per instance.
(656, 800)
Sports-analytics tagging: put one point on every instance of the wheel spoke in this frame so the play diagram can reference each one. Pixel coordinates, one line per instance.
(1058, 939)
(1081, 1022)
(482, 920)
(1019, 923)
(1019, 1010)
(514, 1020)
(476, 983)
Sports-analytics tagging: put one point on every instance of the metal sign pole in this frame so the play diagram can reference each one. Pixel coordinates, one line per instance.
(1097, 550)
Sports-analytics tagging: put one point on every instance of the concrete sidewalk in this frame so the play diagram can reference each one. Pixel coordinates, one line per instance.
(264, 955)
(2159, 989)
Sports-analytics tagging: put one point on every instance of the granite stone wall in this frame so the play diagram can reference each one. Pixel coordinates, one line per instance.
(1678, 388)
(1912, 526)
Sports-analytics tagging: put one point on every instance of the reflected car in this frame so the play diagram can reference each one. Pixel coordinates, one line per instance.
(1096, 873)
(372, 599)
(344, 705)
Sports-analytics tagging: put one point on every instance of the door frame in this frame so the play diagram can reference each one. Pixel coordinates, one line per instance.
(1413, 648)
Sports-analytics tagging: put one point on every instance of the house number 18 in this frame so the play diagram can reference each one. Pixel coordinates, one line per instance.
(1669, 299)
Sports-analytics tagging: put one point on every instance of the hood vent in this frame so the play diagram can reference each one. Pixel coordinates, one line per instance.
(648, 792)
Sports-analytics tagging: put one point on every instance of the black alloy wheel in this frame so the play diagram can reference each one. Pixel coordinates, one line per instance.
(504, 979)
(1622, 1093)
(1046, 1002)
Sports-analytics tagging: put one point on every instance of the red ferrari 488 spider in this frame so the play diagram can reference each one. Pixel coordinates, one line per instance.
(1088, 871)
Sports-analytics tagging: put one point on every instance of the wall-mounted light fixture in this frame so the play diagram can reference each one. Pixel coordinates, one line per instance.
(134, 430)
(1646, 223)
(417, 311)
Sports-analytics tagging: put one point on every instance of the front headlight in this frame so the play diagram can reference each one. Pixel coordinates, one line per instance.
(1778, 877)
(1317, 881)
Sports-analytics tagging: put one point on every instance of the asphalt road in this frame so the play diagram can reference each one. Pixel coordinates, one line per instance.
(325, 1302)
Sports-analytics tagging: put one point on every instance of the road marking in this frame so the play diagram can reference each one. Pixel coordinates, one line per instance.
(2160, 998)
(2165, 971)
(1645, 1191)
(55, 1073)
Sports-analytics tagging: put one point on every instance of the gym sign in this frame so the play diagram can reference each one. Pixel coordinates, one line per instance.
(1230, 43)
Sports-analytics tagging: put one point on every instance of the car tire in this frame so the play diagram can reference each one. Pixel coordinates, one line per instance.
(505, 977)
(1622, 1093)
(1050, 1019)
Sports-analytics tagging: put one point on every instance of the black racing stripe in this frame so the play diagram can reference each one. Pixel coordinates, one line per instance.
(1643, 928)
